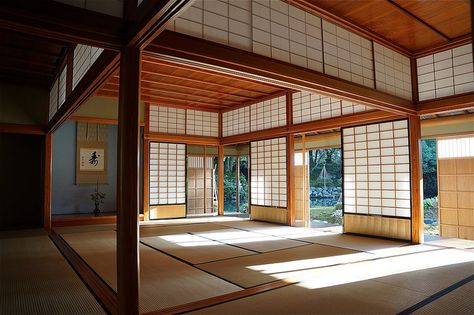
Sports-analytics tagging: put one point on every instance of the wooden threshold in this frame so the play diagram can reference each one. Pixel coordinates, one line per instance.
(103, 293)
(85, 219)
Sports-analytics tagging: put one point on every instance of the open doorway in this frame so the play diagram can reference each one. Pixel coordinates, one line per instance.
(236, 180)
(430, 189)
(325, 187)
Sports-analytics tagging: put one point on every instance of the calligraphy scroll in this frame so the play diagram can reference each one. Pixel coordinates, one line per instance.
(91, 153)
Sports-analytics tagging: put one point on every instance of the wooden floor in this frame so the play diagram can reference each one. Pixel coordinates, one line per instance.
(226, 266)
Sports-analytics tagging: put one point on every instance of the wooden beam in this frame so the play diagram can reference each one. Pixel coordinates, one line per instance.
(55, 20)
(343, 121)
(97, 75)
(188, 139)
(456, 42)
(220, 178)
(47, 181)
(449, 120)
(417, 222)
(22, 129)
(446, 104)
(290, 179)
(259, 68)
(128, 265)
(256, 135)
(150, 19)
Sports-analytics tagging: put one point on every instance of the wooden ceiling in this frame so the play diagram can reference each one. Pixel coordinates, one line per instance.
(414, 25)
(29, 60)
(183, 86)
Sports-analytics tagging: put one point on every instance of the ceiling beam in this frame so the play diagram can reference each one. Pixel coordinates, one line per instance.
(419, 20)
(177, 77)
(259, 68)
(55, 20)
(150, 19)
(193, 88)
(21, 129)
(446, 104)
(105, 66)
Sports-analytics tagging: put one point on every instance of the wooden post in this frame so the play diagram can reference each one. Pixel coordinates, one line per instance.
(128, 271)
(237, 181)
(290, 178)
(416, 180)
(220, 184)
(146, 165)
(47, 177)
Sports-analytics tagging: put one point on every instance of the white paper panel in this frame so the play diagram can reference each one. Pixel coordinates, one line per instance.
(164, 119)
(268, 114)
(310, 107)
(445, 73)
(84, 58)
(392, 72)
(200, 123)
(377, 169)
(268, 172)
(167, 173)
(347, 56)
(236, 121)
(53, 99)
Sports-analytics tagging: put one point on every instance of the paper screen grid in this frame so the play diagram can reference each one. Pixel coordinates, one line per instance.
(310, 107)
(445, 73)
(167, 173)
(201, 123)
(377, 169)
(268, 114)
(268, 172)
(236, 121)
(347, 56)
(165, 119)
(53, 99)
(84, 58)
(392, 72)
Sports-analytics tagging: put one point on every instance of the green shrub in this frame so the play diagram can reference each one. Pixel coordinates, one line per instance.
(430, 206)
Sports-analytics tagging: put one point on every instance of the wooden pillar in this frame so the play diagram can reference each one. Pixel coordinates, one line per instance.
(220, 177)
(128, 271)
(237, 182)
(146, 182)
(290, 178)
(47, 177)
(417, 222)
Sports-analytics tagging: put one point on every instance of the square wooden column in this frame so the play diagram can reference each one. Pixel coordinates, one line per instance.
(290, 178)
(47, 180)
(220, 180)
(128, 264)
(417, 222)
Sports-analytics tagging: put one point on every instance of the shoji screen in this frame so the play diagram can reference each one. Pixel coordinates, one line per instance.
(200, 179)
(53, 99)
(84, 58)
(445, 73)
(200, 123)
(456, 187)
(310, 106)
(268, 114)
(167, 179)
(347, 56)
(268, 178)
(376, 161)
(236, 121)
(167, 119)
(392, 72)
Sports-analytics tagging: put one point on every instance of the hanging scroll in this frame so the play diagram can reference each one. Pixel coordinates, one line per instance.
(91, 153)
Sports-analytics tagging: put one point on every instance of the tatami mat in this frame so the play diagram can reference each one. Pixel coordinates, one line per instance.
(254, 270)
(251, 240)
(178, 229)
(85, 228)
(36, 279)
(452, 242)
(164, 281)
(194, 249)
(354, 242)
(458, 302)
(365, 297)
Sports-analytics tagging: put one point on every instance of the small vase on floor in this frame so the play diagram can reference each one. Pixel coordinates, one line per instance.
(96, 210)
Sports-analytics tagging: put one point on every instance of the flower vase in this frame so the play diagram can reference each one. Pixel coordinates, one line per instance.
(96, 210)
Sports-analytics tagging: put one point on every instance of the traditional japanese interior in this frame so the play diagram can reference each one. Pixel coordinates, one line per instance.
(236, 157)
